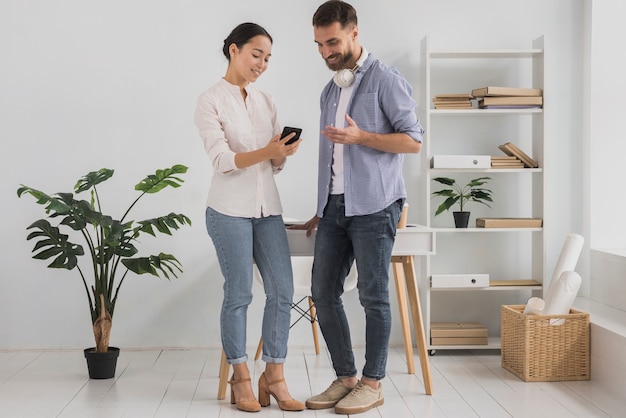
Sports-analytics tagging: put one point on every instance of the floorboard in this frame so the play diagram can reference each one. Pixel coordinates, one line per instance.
(176, 383)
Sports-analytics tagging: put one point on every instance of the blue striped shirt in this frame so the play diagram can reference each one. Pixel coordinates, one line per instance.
(381, 102)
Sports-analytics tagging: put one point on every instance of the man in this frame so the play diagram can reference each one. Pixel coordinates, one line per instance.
(367, 123)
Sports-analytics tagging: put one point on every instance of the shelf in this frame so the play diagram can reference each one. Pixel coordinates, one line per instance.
(484, 289)
(473, 112)
(489, 54)
(484, 230)
(492, 344)
(512, 252)
(487, 170)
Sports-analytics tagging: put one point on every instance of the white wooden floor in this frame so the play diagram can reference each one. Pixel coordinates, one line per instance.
(183, 383)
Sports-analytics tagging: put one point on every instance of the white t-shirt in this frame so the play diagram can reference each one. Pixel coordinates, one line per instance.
(336, 184)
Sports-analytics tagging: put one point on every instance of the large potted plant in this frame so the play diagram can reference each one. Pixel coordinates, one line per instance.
(461, 195)
(110, 248)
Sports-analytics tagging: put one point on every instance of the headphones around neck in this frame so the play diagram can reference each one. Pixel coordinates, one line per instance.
(344, 78)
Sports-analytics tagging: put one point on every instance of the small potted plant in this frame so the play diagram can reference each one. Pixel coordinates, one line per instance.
(110, 245)
(461, 195)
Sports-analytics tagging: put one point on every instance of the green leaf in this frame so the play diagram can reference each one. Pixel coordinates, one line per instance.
(163, 224)
(444, 180)
(53, 204)
(154, 183)
(54, 243)
(92, 178)
(478, 182)
(164, 263)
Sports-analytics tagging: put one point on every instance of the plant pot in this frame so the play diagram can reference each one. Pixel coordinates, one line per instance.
(101, 365)
(461, 219)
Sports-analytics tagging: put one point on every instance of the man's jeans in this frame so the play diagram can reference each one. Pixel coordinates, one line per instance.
(339, 241)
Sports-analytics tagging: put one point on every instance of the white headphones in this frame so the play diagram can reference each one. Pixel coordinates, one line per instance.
(344, 78)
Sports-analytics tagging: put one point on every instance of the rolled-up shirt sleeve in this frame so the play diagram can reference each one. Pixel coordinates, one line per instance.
(215, 143)
(399, 106)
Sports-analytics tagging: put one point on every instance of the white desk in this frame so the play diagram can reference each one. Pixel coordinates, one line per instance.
(410, 241)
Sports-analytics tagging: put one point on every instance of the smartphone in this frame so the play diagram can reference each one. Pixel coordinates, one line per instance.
(287, 130)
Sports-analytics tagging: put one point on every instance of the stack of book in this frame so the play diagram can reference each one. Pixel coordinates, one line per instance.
(506, 161)
(453, 101)
(508, 97)
(458, 333)
(511, 149)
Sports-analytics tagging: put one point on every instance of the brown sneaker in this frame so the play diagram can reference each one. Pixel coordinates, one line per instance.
(361, 399)
(329, 398)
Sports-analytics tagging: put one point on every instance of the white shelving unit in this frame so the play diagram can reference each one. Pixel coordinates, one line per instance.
(504, 253)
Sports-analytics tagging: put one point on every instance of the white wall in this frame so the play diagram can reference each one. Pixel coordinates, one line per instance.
(606, 145)
(114, 84)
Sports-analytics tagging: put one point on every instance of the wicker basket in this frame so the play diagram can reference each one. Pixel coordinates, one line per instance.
(536, 351)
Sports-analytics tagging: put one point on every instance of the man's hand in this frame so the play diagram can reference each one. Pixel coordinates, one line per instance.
(397, 143)
(309, 225)
(351, 134)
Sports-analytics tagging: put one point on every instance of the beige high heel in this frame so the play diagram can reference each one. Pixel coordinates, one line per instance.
(247, 406)
(265, 392)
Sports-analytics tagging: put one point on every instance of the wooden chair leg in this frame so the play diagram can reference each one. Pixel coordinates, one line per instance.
(316, 340)
(224, 369)
(259, 349)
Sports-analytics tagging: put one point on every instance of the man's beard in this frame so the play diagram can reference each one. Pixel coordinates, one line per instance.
(341, 64)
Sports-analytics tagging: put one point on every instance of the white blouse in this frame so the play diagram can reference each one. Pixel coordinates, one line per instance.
(228, 125)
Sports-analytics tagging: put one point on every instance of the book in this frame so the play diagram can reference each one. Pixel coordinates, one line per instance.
(504, 158)
(511, 149)
(452, 101)
(452, 96)
(505, 91)
(511, 107)
(453, 106)
(509, 222)
(459, 340)
(458, 329)
(507, 165)
(511, 163)
(510, 101)
(518, 282)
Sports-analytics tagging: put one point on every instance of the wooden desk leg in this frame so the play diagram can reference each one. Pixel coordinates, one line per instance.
(224, 368)
(416, 311)
(398, 275)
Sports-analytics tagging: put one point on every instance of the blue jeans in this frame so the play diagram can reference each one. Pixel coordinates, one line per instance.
(339, 241)
(239, 241)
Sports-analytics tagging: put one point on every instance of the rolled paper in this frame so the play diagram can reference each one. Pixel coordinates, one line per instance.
(570, 252)
(562, 296)
(534, 306)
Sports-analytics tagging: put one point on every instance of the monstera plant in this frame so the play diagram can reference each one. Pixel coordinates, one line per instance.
(109, 243)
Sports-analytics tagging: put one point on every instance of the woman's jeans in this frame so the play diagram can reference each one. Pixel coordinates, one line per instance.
(239, 241)
(339, 241)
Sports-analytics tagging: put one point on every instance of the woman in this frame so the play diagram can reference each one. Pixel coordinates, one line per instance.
(239, 126)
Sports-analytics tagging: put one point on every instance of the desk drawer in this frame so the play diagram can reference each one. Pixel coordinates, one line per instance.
(459, 280)
(414, 240)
